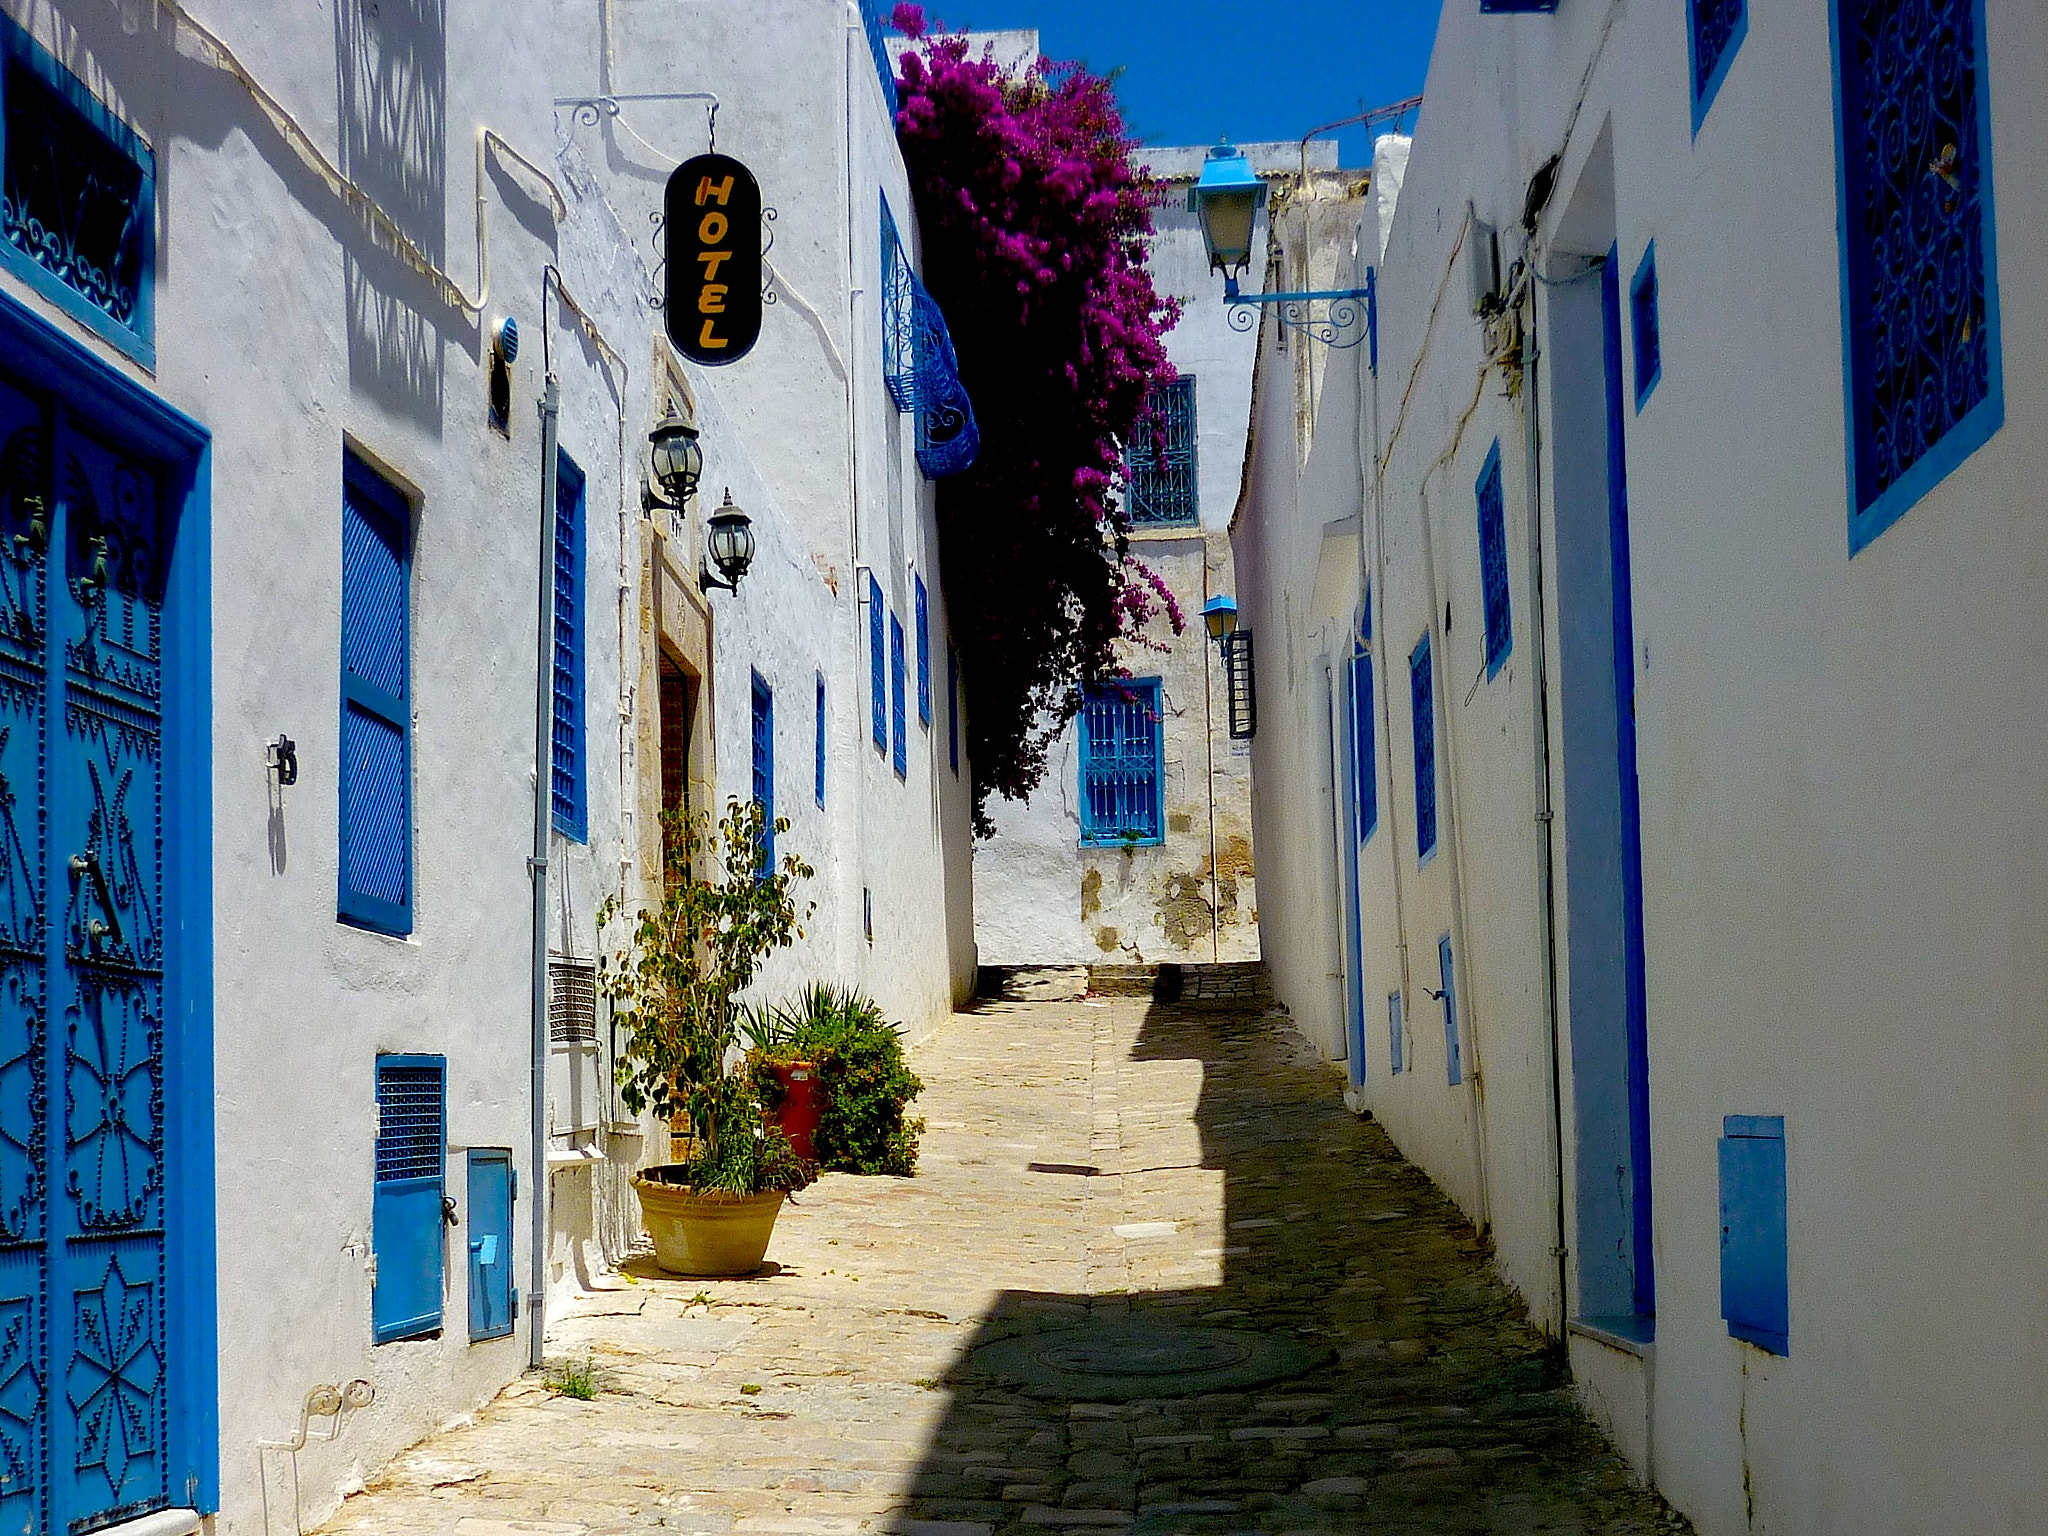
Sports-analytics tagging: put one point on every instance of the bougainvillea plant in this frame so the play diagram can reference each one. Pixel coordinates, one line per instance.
(1035, 223)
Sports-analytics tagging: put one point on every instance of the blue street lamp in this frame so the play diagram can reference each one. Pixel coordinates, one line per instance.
(1219, 616)
(1227, 199)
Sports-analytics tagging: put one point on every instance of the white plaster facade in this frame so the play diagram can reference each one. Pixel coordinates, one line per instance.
(1838, 758)
(291, 323)
(1041, 897)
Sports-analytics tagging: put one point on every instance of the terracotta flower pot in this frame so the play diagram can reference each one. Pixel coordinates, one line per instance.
(706, 1234)
(802, 1109)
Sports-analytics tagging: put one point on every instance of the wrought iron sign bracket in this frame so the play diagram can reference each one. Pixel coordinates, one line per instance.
(592, 110)
(1337, 317)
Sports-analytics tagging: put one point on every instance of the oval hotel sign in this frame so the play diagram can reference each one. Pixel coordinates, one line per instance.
(713, 292)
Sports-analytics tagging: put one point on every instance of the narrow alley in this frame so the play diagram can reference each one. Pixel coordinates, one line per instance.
(1108, 1186)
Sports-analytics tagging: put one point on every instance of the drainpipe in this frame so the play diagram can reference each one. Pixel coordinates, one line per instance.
(537, 867)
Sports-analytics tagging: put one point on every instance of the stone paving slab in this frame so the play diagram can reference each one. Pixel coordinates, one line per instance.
(1096, 1161)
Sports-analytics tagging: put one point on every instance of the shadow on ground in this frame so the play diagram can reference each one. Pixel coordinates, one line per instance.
(1416, 1396)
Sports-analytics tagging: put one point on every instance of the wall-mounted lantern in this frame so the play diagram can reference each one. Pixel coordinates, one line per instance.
(678, 459)
(731, 537)
(1219, 615)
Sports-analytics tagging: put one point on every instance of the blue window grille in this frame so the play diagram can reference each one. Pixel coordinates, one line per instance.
(878, 687)
(1422, 700)
(1365, 765)
(920, 367)
(924, 655)
(874, 15)
(376, 875)
(568, 775)
(405, 1211)
(820, 791)
(763, 732)
(953, 707)
(1122, 764)
(1240, 684)
(1920, 288)
(1493, 565)
(899, 711)
(1394, 1030)
(1717, 30)
(1755, 1267)
(1160, 466)
(493, 1298)
(1454, 1061)
(1642, 309)
(77, 198)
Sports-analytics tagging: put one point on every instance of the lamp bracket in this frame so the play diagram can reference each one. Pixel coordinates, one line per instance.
(1337, 317)
(706, 581)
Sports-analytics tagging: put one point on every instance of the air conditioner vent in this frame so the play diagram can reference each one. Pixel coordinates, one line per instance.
(572, 1002)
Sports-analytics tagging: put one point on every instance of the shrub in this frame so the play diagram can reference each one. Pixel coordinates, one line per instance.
(865, 1081)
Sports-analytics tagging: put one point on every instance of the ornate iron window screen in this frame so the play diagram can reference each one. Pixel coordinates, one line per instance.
(877, 23)
(1160, 468)
(1920, 290)
(1121, 764)
(920, 367)
(1493, 565)
(77, 198)
(1240, 685)
(1716, 31)
(1422, 699)
(1645, 327)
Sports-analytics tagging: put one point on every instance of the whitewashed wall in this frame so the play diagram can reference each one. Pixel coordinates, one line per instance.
(1839, 763)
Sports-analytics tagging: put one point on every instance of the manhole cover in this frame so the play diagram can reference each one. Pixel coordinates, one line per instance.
(1118, 1361)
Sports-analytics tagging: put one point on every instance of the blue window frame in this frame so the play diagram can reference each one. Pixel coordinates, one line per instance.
(1422, 702)
(376, 842)
(899, 711)
(763, 734)
(568, 773)
(924, 655)
(1755, 1266)
(405, 1214)
(1365, 764)
(493, 1297)
(1716, 32)
(77, 198)
(953, 707)
(1919, 260)
(1493, 565)
(1394, 1030)
(1643, 326)
(878, 686)
(820, 791)
(1122, 764)
(1454, 1061)
(1160, 468)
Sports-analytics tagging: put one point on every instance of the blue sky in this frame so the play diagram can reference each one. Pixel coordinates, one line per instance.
(1194, 69)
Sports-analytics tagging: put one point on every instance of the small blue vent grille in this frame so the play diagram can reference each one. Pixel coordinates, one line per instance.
(1160, 467)
(411, 1110)
(1422, 701)
(1920, 287)
(1717, 31)
(1493, 564)
(1121, 763)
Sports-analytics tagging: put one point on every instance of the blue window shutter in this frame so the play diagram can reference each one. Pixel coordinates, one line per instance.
(1716, 31)
(1422, 699)
(1161, 470)
(488, 1223)
(405, 1217)
(1919, 255)
(1649, 341)
(1364, 746)
(953, 706)
(1755, 1267)
(1493, 565)
(375, 813)
(878, 687)
(1122, 763)
(569, 776)
(924, 655)
(899, 710)
(821, 741)
(764, 768)
(1516, 7)
(1454, 1064)
(1394, 1029)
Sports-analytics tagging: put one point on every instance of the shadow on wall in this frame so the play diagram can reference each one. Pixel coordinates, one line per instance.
(391, 96)
(1357, 1368)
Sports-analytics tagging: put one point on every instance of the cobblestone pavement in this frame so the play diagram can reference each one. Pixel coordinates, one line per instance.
(1097, 1161)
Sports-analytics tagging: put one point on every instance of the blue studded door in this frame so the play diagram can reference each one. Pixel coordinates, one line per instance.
(86, 1430)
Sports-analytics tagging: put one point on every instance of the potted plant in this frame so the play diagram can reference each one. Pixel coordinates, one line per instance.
(786, 1072)
(674, 987)
(857, 1081)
